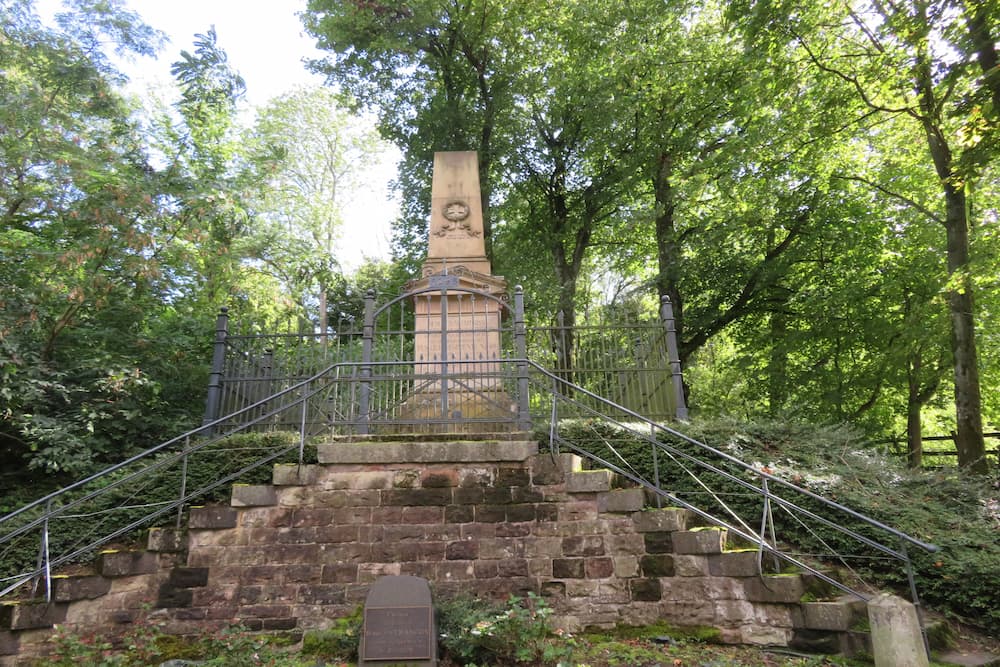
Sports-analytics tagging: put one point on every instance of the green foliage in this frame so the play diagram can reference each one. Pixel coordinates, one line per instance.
(340, 642)
(476, 632)
(145, 644)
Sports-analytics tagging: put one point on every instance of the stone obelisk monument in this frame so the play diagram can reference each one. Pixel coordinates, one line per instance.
(458, 335)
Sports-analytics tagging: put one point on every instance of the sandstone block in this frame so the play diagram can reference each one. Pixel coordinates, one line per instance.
(645, 590)
(668, 519)
(188, 577)
(458, 514)
(774, 588)
(657, 565)
(29, 615)
(700, 541)
(513, 477)
(599, 568)
(253, 495)
(895, 632)
(416, 497)
(166, 540)
(620, 501)
(588, 481)
(689, 565)
(568, 568)
(763, 635)
(586, 545)
(462, 550)
(66, 589)
(520, 513)
(293, 474)
(734, 564)
(626, 566)
(512, 567)
(426, 452)
(659, 543)
(439, 479)
(212, 517)
(835, 615)
(9, 643)
(125, 563)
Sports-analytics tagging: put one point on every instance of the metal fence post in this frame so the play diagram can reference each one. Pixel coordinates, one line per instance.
(521, 350)
(667, 319)
(218, 362)
(367, 339)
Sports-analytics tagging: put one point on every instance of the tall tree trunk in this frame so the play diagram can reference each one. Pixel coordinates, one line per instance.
(668, 248)
(968, 403)
(914, 404)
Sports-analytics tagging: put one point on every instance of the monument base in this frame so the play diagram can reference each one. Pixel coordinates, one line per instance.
(487, 411)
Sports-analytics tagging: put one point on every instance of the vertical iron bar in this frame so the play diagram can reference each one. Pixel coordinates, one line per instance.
(184, 470)
(218, 359)
(766, 521)
(521, 349)
(302, 422)
(913, 595)
(667, 319)
(656, 465)
(444, 352)
(367, 336)
(45, 551)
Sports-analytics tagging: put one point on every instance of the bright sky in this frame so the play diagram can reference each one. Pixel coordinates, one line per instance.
(266, 43)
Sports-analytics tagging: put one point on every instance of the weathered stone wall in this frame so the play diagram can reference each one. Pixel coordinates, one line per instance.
(489, 518)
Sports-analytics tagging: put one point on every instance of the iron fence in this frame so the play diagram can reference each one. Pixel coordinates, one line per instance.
(434, 372)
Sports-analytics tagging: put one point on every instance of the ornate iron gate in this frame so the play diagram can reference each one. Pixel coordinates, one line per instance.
(443, 358)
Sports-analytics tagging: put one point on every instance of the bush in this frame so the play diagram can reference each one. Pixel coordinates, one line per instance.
(477, 632)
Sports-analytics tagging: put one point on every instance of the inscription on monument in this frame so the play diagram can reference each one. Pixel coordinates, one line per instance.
(398, 633)
(398, 624)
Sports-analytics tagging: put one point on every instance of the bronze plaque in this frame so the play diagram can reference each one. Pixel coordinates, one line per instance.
(398, 633)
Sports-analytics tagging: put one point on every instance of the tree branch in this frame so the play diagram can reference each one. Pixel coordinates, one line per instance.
(895, 195)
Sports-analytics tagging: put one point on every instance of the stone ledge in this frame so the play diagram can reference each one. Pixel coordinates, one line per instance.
(212, 517)
(253, 495)
(588, 481)
(426, 452)
(837, 615)
(292, 474)
(705, 541)
(31, 615)
(126, 563)
(166, 540)
(670, 519)
(787, 588)
(67, 589)
(621, 501)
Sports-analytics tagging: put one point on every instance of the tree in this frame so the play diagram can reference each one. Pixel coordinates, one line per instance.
(322, 155)
(81, 246)
(435, 72)
(933, 64)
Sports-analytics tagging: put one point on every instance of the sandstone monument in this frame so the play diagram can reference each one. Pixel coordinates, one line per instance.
(457, 335)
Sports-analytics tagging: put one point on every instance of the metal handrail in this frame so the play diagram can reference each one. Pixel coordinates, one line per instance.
(546, 385)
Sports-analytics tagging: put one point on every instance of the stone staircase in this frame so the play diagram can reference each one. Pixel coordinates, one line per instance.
(490, 515)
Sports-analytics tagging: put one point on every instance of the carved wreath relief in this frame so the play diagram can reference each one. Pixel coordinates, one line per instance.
(456, 215)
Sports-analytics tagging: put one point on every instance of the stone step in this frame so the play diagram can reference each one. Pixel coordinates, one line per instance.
(253, 495)
(31, 614)
(459, 451)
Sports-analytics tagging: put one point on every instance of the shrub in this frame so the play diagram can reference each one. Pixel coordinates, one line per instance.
(477, 632)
